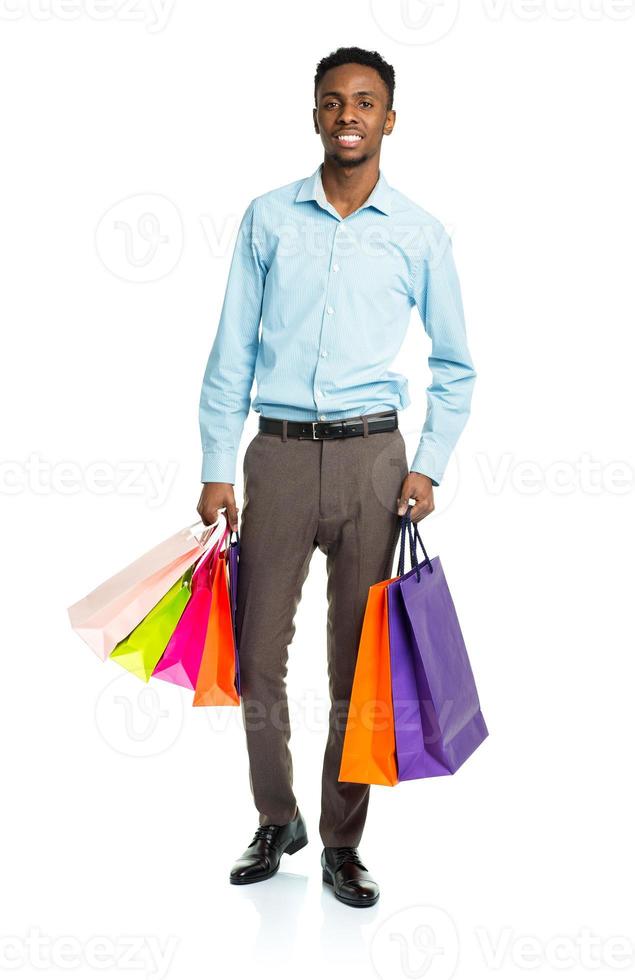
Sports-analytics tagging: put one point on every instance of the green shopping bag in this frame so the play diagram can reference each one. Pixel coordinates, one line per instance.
(142, 649)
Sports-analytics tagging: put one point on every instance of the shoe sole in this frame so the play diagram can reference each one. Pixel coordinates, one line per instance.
(291, 849)
(362, 904)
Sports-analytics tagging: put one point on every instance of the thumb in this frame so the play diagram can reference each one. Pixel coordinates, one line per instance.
(232, 514)
(402, 503)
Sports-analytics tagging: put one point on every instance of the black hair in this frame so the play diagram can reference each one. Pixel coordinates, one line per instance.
(357, 56)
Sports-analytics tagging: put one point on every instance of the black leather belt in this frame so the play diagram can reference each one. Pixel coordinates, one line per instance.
(335, 429)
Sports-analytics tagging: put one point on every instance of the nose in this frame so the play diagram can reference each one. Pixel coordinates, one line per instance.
(346, 115)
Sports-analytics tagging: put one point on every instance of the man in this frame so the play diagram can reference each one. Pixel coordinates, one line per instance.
(332, 265)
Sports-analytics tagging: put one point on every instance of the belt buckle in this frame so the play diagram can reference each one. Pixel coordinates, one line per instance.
(313, 425)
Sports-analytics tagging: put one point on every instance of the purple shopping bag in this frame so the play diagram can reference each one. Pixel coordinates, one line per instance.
(234, 561)
(438, 718)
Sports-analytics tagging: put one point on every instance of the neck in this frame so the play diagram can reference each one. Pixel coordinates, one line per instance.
(347, 188)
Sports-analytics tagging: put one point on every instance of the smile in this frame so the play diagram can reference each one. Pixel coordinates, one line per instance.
(349, 138)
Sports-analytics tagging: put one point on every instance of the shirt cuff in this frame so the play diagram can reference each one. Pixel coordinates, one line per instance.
(425, 463)
(218, 468)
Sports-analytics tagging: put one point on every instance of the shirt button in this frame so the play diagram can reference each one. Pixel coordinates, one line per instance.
(323, 353)
(330, 310)
(323, 417)
(336, 267)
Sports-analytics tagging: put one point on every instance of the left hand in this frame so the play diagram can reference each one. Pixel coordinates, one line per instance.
(419, 487)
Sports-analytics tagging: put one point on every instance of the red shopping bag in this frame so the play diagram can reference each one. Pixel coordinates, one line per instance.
(216, 683)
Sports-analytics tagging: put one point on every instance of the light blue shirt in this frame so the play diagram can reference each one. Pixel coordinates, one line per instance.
(334, 296)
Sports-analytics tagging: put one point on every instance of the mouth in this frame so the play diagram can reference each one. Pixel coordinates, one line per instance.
(348, 139)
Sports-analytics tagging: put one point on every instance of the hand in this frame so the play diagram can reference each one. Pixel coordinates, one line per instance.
(419, 487)
(215, 496)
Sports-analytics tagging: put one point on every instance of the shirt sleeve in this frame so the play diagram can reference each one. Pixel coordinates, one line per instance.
(229, 374)
(437, 295)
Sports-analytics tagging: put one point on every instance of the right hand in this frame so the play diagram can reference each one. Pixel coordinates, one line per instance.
(214, 496)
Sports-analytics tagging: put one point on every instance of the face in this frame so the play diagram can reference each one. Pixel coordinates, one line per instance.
(352, 115)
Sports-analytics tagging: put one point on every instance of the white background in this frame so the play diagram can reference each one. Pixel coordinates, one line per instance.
(123, 811)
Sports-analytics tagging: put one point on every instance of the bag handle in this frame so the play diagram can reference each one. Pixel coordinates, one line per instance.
(407, 525)
(212, 544)
(202, 532)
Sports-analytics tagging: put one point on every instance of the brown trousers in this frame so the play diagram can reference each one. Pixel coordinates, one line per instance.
(338, 495)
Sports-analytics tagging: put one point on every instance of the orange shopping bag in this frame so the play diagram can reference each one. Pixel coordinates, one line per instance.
(369, 752)
(215, 684)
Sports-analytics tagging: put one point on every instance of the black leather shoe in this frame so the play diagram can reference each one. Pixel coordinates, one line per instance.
(261, 860)
(343, 869)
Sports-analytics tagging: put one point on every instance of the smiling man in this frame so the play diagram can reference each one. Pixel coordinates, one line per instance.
(331, 266)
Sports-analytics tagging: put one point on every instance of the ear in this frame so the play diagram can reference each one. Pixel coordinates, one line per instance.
(391, 119)
(315, 122)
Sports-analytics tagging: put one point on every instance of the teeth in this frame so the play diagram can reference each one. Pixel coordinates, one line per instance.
(353, 138)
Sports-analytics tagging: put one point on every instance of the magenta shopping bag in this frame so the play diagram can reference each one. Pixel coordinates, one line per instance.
(438, 718)
(181, 659)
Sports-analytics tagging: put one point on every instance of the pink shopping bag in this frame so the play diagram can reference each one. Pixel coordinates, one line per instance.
(181, 659)
(112, 610)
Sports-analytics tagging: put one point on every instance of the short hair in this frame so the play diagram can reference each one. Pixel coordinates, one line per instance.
(357, 56)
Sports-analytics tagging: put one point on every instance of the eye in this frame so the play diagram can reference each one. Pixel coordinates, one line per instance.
(366, 103)
(328, 105)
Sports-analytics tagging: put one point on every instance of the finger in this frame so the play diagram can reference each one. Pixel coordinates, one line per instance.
(232, 516)
(423, 509)
(417, 514)
(402, 503)
(210, 516)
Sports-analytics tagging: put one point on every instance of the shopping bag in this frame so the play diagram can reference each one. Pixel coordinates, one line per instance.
(234, 563)
(182, 657)
(437, 714)
(141, 651)
(368, 753)
(215, 684)
(112, 610)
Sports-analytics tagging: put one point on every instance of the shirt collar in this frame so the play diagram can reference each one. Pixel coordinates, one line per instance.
(312, 189)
